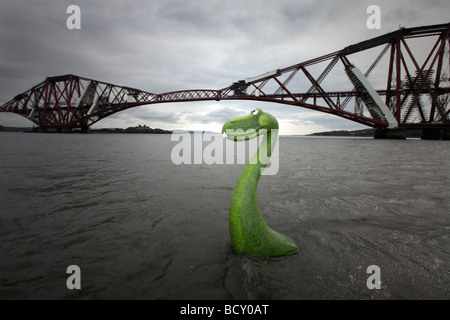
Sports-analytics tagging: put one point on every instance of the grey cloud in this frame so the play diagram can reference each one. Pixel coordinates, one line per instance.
(224, 113)
(153, 113)
(161, 46)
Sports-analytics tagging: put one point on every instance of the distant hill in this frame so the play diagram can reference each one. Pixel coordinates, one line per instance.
(138, 129)
(16, 129)
(346, 133)
(361, 133)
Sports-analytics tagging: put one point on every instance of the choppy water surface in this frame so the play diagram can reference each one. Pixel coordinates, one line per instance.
(140, 227)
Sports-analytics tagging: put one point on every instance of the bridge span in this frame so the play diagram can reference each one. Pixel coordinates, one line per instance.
(403, 93)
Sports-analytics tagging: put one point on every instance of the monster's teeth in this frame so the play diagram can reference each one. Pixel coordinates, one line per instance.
(224, 134)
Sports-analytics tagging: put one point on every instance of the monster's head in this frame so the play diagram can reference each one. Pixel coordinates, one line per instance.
(249, 126)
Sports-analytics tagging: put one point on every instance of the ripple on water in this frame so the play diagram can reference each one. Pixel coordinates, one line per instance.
(141, 227)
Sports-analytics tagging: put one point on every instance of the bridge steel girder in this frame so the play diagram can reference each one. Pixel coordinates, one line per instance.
(70, 101)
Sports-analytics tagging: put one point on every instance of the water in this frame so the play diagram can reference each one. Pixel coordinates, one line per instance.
(140, 227)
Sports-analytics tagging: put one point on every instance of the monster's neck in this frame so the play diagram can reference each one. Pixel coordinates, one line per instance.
(245, 216)
(262, 156)
(248, 180)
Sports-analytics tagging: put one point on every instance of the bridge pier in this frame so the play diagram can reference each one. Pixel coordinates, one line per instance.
(383, 133)
(64, 130)
(446, 134)
(73, 130)
(431, 134)
(39, 129)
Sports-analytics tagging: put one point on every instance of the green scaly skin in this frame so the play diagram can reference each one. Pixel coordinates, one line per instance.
(249, 232)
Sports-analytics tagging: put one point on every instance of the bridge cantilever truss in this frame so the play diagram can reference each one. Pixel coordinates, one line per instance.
(410, 94)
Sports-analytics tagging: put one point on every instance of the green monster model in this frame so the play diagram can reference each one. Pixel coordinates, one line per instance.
(249, 232)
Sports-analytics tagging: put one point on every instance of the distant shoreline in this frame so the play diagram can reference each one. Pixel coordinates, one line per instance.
(138, 129)
(147, 130)
(346, 133)
(361, 133)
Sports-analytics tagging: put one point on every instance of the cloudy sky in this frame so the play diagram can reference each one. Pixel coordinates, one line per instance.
(161, 46)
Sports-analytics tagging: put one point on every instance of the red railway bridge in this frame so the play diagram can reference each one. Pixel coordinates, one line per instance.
(409, 68)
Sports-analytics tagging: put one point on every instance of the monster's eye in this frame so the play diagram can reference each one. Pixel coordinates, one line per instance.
(254, 112)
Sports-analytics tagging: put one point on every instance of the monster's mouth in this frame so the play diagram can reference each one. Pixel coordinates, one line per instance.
(240, 134)
(240, 128)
